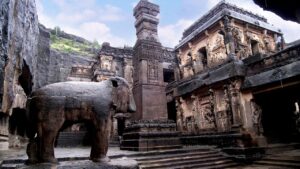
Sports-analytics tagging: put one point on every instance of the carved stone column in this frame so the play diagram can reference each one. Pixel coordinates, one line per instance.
(149, 88)
(212, 106)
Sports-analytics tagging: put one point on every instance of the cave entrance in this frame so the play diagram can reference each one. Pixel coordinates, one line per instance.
(25, 79)
(278, 114)
(17, 120)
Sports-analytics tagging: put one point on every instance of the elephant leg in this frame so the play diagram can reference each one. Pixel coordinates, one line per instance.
(100, 142)
(32, 152)
(47, 133)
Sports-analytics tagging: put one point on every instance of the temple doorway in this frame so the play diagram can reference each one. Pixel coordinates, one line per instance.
(278, 114)
(172, 110)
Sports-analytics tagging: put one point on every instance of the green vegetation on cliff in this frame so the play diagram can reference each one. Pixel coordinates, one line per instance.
(72, 44)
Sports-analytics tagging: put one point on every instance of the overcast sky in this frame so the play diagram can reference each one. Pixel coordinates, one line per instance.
(112, 20)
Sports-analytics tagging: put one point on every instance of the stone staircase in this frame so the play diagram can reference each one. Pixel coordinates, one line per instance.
(69, 139)
(283, 162)
(281, 155)
(188, 157)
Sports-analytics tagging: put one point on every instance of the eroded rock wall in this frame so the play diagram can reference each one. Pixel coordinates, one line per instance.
(60, 65)
(3, 41)
(19, 36)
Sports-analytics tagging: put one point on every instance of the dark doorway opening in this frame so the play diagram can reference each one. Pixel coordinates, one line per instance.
(254, 47)
(168, 75)
(203, 55)
(278, 114)
(172, 111)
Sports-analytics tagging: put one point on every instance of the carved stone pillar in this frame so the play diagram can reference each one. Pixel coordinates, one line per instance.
(212, 106)
(149, 87)
(228, 105)
(151, 118)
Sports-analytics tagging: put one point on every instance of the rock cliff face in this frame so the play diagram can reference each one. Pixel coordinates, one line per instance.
(19, 39)
(26, 57)
(61, 64)
(3, 41)
(55, 66)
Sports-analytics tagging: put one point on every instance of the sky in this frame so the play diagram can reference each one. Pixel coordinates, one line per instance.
(112, 20)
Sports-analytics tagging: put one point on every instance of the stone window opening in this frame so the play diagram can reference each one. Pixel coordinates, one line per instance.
(189, 58)
(203, 56)
(254, 47)
(168, 75)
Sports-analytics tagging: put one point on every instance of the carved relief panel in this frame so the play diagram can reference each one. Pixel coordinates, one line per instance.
(153, 71)
(217, 50)
(269, 43)
(106, 62)
(206, 116)
(128, 70)
(242, 49)
(222, 110)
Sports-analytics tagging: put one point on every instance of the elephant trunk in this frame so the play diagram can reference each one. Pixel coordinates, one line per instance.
(131, 105)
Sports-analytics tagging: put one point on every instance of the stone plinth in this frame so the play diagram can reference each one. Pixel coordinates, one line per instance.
(147, 135)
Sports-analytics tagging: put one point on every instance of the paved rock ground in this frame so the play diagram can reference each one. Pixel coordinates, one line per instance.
(77, 157)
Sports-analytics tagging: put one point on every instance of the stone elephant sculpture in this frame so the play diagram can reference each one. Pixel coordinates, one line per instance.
(54, 105)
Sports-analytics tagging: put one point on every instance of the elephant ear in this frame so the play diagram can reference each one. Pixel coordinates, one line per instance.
(120, 93)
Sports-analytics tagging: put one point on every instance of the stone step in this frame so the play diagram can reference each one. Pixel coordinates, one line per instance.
(279, 148)
(277, 163)
(283, 161)
(188, 157)
(152, 148)
(166, 157)
(66, 139)
(205, 163)
(3, 138)
(172, 151)
(212, 165)
(216, 165)
(295, 159)
(179, 158)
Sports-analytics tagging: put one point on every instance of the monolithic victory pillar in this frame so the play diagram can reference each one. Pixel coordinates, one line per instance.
(149, 87)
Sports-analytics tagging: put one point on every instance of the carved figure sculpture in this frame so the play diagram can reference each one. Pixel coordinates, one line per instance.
(179, 116)
(235, 102)
(297, 116)
(256, 117)
(53, 105)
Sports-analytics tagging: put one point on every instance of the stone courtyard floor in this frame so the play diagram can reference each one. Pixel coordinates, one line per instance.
(82, 153)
